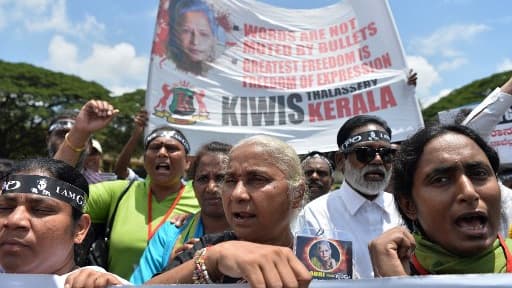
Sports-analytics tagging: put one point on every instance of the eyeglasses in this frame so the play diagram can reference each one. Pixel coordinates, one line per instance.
(367, 154)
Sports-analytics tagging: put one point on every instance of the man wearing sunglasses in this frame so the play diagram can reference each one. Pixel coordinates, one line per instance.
(359, 210)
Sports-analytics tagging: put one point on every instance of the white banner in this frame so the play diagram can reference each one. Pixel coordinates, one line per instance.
(448, 281)
(500, 138)
(226, 70)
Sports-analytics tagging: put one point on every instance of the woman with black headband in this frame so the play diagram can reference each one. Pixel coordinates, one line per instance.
(41, 218)
(147, 204)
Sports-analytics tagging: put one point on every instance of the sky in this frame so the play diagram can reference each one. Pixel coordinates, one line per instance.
(448, 42)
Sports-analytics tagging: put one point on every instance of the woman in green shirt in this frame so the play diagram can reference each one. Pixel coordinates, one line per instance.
(147, 204)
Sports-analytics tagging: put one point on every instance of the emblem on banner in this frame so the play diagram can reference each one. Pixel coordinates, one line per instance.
(177, 104)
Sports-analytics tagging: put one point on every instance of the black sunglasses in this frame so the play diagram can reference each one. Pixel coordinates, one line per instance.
(367, 154)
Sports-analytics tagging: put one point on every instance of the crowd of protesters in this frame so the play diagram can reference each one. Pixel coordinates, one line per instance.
(237, 210)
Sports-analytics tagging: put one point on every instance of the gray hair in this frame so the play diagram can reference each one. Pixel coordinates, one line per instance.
(283, 157)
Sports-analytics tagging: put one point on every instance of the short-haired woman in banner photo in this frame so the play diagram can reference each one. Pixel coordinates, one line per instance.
(193, 35)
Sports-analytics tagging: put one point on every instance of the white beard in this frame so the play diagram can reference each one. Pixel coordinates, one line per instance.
(355, 177)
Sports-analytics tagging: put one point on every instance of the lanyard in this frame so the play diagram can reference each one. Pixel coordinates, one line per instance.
(151, 232)
(508, 256)
(508, 259)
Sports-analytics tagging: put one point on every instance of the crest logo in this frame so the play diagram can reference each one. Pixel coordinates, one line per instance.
(177, 104)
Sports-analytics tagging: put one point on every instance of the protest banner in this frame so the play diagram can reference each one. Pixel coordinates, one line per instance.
(226, 70)
(447, 281)
(500, 138)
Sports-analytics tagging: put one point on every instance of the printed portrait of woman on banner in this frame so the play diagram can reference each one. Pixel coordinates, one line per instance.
(194, 35)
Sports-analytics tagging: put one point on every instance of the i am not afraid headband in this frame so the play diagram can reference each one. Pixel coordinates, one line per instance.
(45, 186)
(169, 135)
(372, 135)
(66, 124)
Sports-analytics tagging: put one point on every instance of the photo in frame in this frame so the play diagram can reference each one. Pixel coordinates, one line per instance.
(325, 258)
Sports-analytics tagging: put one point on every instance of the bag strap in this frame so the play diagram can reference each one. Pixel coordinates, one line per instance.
(110, 221)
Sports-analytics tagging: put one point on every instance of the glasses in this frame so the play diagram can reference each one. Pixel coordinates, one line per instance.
(367, 154)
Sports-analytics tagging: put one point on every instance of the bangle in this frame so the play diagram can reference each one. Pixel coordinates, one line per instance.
(200, 275)
(71, 146)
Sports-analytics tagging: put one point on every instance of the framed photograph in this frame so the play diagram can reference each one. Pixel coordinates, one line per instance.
(325, 258)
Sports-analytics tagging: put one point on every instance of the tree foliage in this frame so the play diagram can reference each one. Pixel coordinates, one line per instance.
(119, 131)
(31, 96)
(473, 92)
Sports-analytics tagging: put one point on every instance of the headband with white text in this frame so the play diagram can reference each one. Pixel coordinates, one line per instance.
(45, 186)
(63, 124)
(319, 156)
(372, 135)
(169, 135)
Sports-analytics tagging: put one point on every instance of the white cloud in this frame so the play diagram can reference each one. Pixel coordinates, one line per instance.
(452, 64)
(62, 54)
(117, 67)
(89, 26)
(46, 15)
(444, 40)
(506, 65)
(52, 17)
(427, 77)
(435, 98)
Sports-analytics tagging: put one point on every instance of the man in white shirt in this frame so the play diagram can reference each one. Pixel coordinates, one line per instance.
(359, 210)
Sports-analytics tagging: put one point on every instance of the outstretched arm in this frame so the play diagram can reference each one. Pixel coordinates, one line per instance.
(484, 118)
(123, 161)
(93, 116)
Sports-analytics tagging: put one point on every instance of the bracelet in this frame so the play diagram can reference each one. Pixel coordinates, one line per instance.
(200, 275)
(71, 146)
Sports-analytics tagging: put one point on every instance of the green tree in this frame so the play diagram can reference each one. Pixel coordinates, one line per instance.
(31, 96)
(114, 136)
(473, 92)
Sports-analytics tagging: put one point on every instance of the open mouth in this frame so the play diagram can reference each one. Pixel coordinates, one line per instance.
(315, 186)
(163, 167)
(472, 222)
(374, 175)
